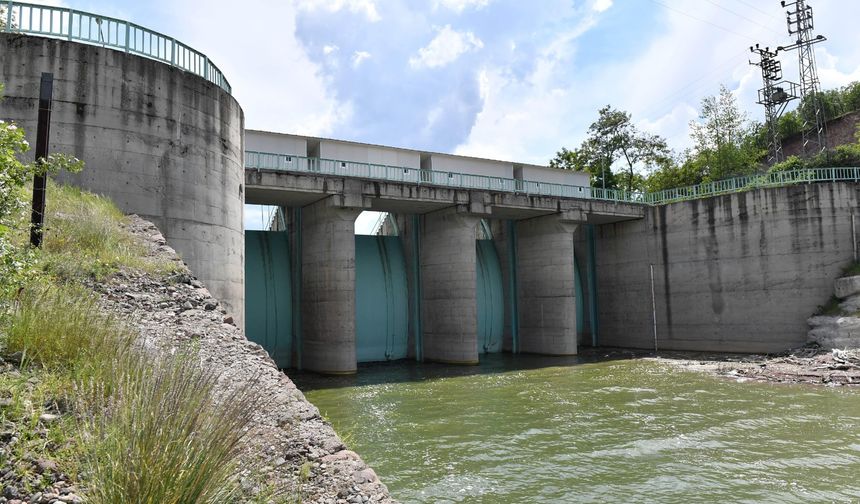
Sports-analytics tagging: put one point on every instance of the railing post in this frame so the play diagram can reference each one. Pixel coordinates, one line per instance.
(71, 21)
(173, 51)
(127, 35)
(8, 26)
(206, 67)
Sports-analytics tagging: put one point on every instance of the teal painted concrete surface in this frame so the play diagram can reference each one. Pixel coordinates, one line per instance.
(381, 299)
(491, 301)
(268, 297)
(580, 308)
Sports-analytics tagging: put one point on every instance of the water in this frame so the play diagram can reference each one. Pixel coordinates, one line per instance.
(623, 430)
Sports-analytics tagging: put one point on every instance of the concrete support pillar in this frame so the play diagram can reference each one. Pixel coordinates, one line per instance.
(547, 302)
(328, 287)
(449, 287)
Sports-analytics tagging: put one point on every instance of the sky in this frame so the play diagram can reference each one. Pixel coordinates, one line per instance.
(503, 79)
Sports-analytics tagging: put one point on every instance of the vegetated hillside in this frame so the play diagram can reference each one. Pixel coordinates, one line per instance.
(123, 380)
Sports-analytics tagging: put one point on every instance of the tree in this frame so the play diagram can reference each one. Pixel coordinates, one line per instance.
(724, 139)
(611, 138)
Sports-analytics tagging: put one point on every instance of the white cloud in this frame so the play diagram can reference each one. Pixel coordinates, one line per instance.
(365, 7)
(328, 49)
(278, 85)
(528, 119)
(601, 5)
(461, 5)
(358, 57)
(446, 47)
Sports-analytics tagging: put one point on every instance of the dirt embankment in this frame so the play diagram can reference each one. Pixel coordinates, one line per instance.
(297, 449)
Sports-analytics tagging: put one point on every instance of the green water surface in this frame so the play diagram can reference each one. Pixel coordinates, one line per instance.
(612, 431)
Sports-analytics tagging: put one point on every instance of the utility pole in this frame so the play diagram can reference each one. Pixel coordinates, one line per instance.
(775, 96)
(43, 135)
(799, 20)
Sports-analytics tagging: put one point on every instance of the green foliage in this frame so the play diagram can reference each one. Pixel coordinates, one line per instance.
(162, 438)
(725, 143)
(84, 237)
(843, 156)
(611, 138)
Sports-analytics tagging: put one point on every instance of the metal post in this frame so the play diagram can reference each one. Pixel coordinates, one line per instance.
(854, 237)
(653, 308)
(71, 22)
(8, 26)
(43, 134)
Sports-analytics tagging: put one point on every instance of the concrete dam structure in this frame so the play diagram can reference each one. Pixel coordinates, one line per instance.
(478, 256)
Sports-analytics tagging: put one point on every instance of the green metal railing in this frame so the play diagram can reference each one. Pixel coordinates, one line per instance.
(737, 184)
(100, 30)
(285, 162)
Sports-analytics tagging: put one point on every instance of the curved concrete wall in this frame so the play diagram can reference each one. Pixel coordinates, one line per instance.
(160, 142)
(738, 273)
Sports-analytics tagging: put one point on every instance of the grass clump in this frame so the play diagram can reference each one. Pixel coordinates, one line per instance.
(852, 269)
(163, 439)
(85, 238)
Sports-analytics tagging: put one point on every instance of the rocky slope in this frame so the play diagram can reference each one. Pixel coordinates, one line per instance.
(297, 449)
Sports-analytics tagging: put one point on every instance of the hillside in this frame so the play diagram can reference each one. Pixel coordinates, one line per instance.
(123, 380)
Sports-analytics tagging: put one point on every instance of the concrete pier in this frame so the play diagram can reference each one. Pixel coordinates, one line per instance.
(328, 287)
(545, 270)
(448, 287)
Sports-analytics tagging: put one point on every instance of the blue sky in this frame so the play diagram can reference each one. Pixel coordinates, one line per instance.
(506, 79)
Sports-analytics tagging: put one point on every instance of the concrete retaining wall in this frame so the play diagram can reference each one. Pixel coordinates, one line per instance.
(739, 273)
(160, 142)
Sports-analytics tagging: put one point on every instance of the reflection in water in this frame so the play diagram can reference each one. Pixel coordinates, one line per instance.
(513, 431)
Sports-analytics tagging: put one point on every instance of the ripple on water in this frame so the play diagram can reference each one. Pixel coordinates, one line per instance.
(628, 431)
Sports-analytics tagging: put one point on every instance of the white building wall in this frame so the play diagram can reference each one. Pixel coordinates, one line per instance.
(473, 166)
(275, 143)
(555, 175)
(361, 153)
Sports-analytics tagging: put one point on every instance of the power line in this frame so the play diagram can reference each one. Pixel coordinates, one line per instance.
(753, 7)
(727, 30)
(744, 17)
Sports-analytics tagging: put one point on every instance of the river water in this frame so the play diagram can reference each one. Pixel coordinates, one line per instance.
(511, 431)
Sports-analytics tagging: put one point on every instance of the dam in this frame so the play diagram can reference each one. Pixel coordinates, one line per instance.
(476, 256)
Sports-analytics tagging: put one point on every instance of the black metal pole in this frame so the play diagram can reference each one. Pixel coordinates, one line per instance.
(43, 134)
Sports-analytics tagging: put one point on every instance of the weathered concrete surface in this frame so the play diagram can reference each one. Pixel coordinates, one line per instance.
(160, 142)
(546, 295)
(268, 187)
(328, 287)
(846, 286)
(449, 287)
(835, 332)
(740, 272)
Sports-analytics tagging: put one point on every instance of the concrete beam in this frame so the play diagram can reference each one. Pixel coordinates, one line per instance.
(268, 187)
(449, 286)
(547, 302)
(328, 287)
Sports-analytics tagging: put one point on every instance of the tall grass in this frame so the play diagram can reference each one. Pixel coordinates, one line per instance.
(84, 237)
(162, 438)
(147, 427)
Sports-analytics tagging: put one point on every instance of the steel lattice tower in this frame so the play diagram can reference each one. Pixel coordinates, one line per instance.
(799, 20)
(775, 96)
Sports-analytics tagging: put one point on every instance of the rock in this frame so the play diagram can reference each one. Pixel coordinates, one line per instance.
(48, 418)
(228, 320)
(187, 305)
(43, 466)
(16, 358)
(365, 476)
(834, 332)
(210, 305)
(847, 286)
(196, 283)
(851, 304)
